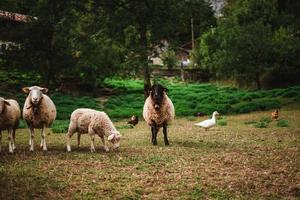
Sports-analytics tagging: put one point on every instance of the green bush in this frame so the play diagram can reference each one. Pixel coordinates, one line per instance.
(261, 124)
(265, 119)
(60, 126)
(222, 122)
(22, 124)
(282, 123)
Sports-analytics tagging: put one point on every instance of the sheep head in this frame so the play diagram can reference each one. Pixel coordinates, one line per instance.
(157, 93)
(35, 93)
(115, 138)
(3, 103)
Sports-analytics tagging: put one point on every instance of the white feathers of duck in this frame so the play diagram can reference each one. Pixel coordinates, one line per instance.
(209, 122)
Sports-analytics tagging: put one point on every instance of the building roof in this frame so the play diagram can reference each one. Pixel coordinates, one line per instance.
(17, 17)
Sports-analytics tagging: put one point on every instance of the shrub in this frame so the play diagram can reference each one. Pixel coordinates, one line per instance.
(266, 120)
(60, 126)
(261, 124)
(22, 124)
(222, 122)
(282, 123)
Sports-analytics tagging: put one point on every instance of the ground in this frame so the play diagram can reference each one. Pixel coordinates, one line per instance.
(234, 161)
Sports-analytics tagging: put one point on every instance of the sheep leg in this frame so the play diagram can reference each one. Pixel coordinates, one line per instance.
(78, 139)
(10, 146)
(43, 136)
(69, 135)
(14, 138)
(165, 135)
(41, 145)
(104, 145)
(92, 135)
(31, 139)
(154, 134)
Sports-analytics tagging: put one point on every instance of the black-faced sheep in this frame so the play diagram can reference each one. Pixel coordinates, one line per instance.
(93, 122)
(10, 114)
(39, 112)
(158, 111)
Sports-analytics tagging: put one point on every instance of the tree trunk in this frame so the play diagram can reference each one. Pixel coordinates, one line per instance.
(48, 75)
(144, 61)
(258, 83)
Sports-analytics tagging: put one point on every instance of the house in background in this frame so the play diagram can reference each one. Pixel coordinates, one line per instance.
(182, 53)
(10, 21)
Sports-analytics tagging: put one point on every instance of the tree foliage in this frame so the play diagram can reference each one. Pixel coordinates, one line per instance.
(255, 41)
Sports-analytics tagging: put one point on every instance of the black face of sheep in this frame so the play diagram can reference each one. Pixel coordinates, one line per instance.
(35, 93)
(157, 95)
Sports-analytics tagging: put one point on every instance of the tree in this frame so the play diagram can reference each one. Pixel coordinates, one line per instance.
(154, 20)
(254, 40)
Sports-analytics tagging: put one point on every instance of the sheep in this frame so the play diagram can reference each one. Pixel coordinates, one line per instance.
(158, 111)
(10, 115)
(39, 111)
(93, 122)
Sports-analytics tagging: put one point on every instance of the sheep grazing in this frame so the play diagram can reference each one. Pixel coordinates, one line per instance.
(134, 120)
(158, 111)
(93, 122)
(10, 114)
(39, 112)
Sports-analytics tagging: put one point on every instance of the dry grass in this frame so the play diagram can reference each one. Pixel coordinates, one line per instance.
(234, 161)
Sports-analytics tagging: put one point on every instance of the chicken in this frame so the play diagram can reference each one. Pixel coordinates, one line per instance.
(275, 115)
(134, 120)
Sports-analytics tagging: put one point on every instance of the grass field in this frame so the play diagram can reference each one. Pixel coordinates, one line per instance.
(233, 160)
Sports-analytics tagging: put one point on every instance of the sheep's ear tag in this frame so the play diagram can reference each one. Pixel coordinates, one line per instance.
(25, 89)
(111, 137)
(6, 102)
(44, 90)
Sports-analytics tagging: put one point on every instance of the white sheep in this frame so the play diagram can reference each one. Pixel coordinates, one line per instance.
(10, 114)
(158, 111)
(84, 120)
(39, 112)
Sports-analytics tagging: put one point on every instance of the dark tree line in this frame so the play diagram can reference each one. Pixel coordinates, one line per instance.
(255, 41)
(92, 39)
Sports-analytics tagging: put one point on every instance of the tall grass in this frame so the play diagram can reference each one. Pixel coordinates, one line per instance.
(190, 99)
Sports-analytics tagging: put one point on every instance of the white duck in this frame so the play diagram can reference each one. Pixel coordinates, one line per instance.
(209, 122)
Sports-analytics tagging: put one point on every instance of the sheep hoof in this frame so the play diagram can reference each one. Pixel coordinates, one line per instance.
(106, 149)
(68, 149)
(45, 149)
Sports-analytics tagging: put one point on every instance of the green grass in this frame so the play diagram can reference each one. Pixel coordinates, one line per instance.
(191, 98)
(188, 99)
(235, 161)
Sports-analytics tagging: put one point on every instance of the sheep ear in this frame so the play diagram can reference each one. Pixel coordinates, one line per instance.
(118, 136)
(6, 102)
(111, 137)
(44, 90)
(26, 90)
